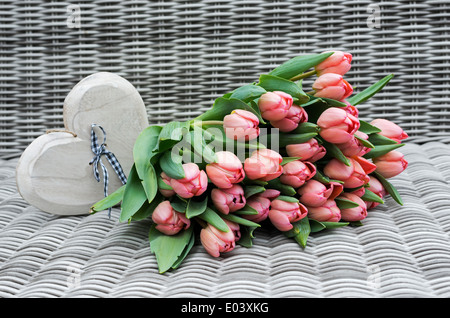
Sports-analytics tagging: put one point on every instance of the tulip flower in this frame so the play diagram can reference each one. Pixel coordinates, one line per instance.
(241, 125)
(359, 192)
(215, 241)
(315, 193)
(261, 203)
(352, 110)
(295, 115)
(282, 214)
(194, 183)
(391, 164)
(354, 146)
(390, 129)
(169, 221)
(337, 126)
(308, 151)
(226, 171)
(275, 105)
(328, 212)
(234, 227)
(353, 176)
(228, 200)
(263, 165)
(353, 214)
(338, 63)
(296, 173)
(376, 187)
(166, 192)
(332, 86)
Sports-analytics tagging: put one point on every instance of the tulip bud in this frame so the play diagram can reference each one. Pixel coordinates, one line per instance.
(391, 164)
(241, 125)
(354, 214)
(296, 173)
(390, 129)
(359, 192)
(169, 191)
(215, 241)
(309, 151)
(226, 171)
(376, 187)
(332, 86)
(353, 176)
(295, 115)
(228, 200)
(169, 221)
(194, 183)
(352, 110)
(234, 227)
(337, 126)
(328, 212)
(315, 193)
(274, 105)
(282, 214)
(354, 146)
(264, 165)
(338, 63)
(261, 204)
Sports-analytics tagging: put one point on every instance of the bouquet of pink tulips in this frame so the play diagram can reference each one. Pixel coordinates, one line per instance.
(266, 154)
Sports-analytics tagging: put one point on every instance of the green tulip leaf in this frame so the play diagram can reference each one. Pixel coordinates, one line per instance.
(370, 91)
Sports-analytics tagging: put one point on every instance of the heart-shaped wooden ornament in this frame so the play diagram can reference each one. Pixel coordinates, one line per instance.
(53, 173)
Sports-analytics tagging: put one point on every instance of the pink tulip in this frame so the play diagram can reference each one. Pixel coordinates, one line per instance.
(228, 200)
(194, 183)
(328, 212)
(337, 126)
(264, 165)
(353, 176)
(365, 164)
(261, 203)
(295, 115)
(338, 63)
(169, 221)
(354, 146)
(309, 151)
(166, 192)
(354, 214)
(274, 105)
(215, 241)
(234, 227)
(241, 125)
(296, 173)
(352, 110)
(332, 86)
(391, 164)
(315, 193)
(226, 171)
(390, 129)
(282, 214)
(376, 187)
(359, 192)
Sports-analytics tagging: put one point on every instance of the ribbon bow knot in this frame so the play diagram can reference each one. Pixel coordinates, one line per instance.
(99, 151)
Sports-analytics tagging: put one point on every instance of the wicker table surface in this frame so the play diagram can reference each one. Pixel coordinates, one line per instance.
(399, 252)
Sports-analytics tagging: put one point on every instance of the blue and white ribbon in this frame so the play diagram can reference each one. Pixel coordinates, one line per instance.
(99, 151)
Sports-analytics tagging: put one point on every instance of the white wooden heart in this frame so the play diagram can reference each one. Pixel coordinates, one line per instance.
(53, 173)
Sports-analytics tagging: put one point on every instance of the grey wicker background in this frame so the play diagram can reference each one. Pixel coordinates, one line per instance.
(181, 55)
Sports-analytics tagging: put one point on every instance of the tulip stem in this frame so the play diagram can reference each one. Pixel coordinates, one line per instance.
(304, 75)
(206, 122)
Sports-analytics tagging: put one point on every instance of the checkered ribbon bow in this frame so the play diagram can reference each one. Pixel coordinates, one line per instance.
(99, 151)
